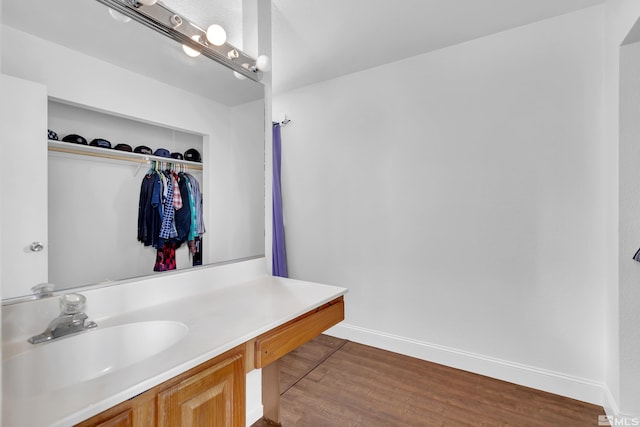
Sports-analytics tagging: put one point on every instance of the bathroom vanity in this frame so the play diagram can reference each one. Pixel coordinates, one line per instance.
(221, 323)
(212, 393)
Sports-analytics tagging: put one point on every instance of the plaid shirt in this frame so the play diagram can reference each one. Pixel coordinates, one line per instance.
(168, 212)
(177, 197)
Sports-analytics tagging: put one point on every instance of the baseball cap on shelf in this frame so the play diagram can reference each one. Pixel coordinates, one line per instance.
(162, 152)
(192, 155)
(75, 139)
(100, 142)
(123, 147)
(177, 156)
(52, 135)
(143, 149)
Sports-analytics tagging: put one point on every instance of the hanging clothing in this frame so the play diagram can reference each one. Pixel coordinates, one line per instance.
(192, 209)
(177, 197)
(197, 197)
(149, 219)
(183, 215)
(169, 214)
(168, 211)
(197, 253)
(166, 257)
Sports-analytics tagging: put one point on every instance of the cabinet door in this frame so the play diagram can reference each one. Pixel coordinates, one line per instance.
(211, 398)
(123, 419)
(139, 411)
(23, 185)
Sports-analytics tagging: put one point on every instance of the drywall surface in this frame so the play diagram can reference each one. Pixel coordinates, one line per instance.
(457, 195)
(621, 338)
(629, 290)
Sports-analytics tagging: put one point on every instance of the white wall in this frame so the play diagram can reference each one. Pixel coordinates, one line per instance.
(629, 229)
(247, 166)
(0, 221)
(458, 195)
(629, 226)
(621, 341)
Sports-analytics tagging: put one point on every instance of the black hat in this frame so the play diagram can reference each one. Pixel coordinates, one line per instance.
(192, 155)
(123, 147)
(99, 142)
(52, 135)
(76, 139)
(162, 152)
(177, 156)
(143, 149)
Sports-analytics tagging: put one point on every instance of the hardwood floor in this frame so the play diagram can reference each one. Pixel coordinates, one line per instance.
(330, 382)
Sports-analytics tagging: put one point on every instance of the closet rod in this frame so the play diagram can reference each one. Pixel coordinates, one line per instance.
(63, 147)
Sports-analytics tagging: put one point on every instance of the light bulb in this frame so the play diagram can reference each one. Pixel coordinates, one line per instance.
(189, 50)
(216, 35)
(239, 76)
(147, 2)
(118, 16)
(263, 63)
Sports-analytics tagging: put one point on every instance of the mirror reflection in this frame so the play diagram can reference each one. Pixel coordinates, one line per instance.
(126, 84)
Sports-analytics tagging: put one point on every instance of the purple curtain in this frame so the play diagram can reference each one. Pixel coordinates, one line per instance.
(279, 266)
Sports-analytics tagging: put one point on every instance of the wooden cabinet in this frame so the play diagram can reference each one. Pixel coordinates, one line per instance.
(123, 419)
(209, 395)
(213, 397)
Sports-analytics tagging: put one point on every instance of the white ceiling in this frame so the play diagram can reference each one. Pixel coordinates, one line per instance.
(316, 40)
(313, 40)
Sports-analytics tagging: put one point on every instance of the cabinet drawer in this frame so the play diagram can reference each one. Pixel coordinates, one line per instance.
(124, 419)
(274, 344)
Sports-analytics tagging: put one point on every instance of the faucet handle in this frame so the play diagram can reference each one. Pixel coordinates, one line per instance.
(42, 290)
(72, 303)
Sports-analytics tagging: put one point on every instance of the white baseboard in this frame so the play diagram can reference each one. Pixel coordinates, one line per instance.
(254, 414)
(617, 418)
(528, 376)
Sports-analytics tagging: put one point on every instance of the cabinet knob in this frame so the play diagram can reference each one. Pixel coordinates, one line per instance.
(36, 246)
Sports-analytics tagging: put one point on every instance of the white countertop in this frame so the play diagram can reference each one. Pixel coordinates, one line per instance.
(218, 321)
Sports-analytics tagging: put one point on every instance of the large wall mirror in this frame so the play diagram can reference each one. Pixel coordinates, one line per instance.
(128, 84)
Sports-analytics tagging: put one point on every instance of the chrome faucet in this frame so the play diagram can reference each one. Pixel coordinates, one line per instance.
(70, 321)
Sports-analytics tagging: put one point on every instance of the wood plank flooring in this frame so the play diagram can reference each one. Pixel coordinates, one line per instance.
(330, 382)
(300, 362)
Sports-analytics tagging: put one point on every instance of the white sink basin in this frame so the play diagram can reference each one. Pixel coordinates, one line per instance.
(87, 355)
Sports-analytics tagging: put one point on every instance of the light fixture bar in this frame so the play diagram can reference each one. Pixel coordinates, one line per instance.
(164, 20)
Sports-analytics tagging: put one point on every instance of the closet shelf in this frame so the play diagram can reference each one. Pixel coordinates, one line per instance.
(89, 150)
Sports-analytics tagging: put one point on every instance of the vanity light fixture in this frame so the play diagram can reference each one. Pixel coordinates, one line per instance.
(216, 35)
(263, 63)
(195, 40)
(118, 16)
(190, 51)
(176, 21)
